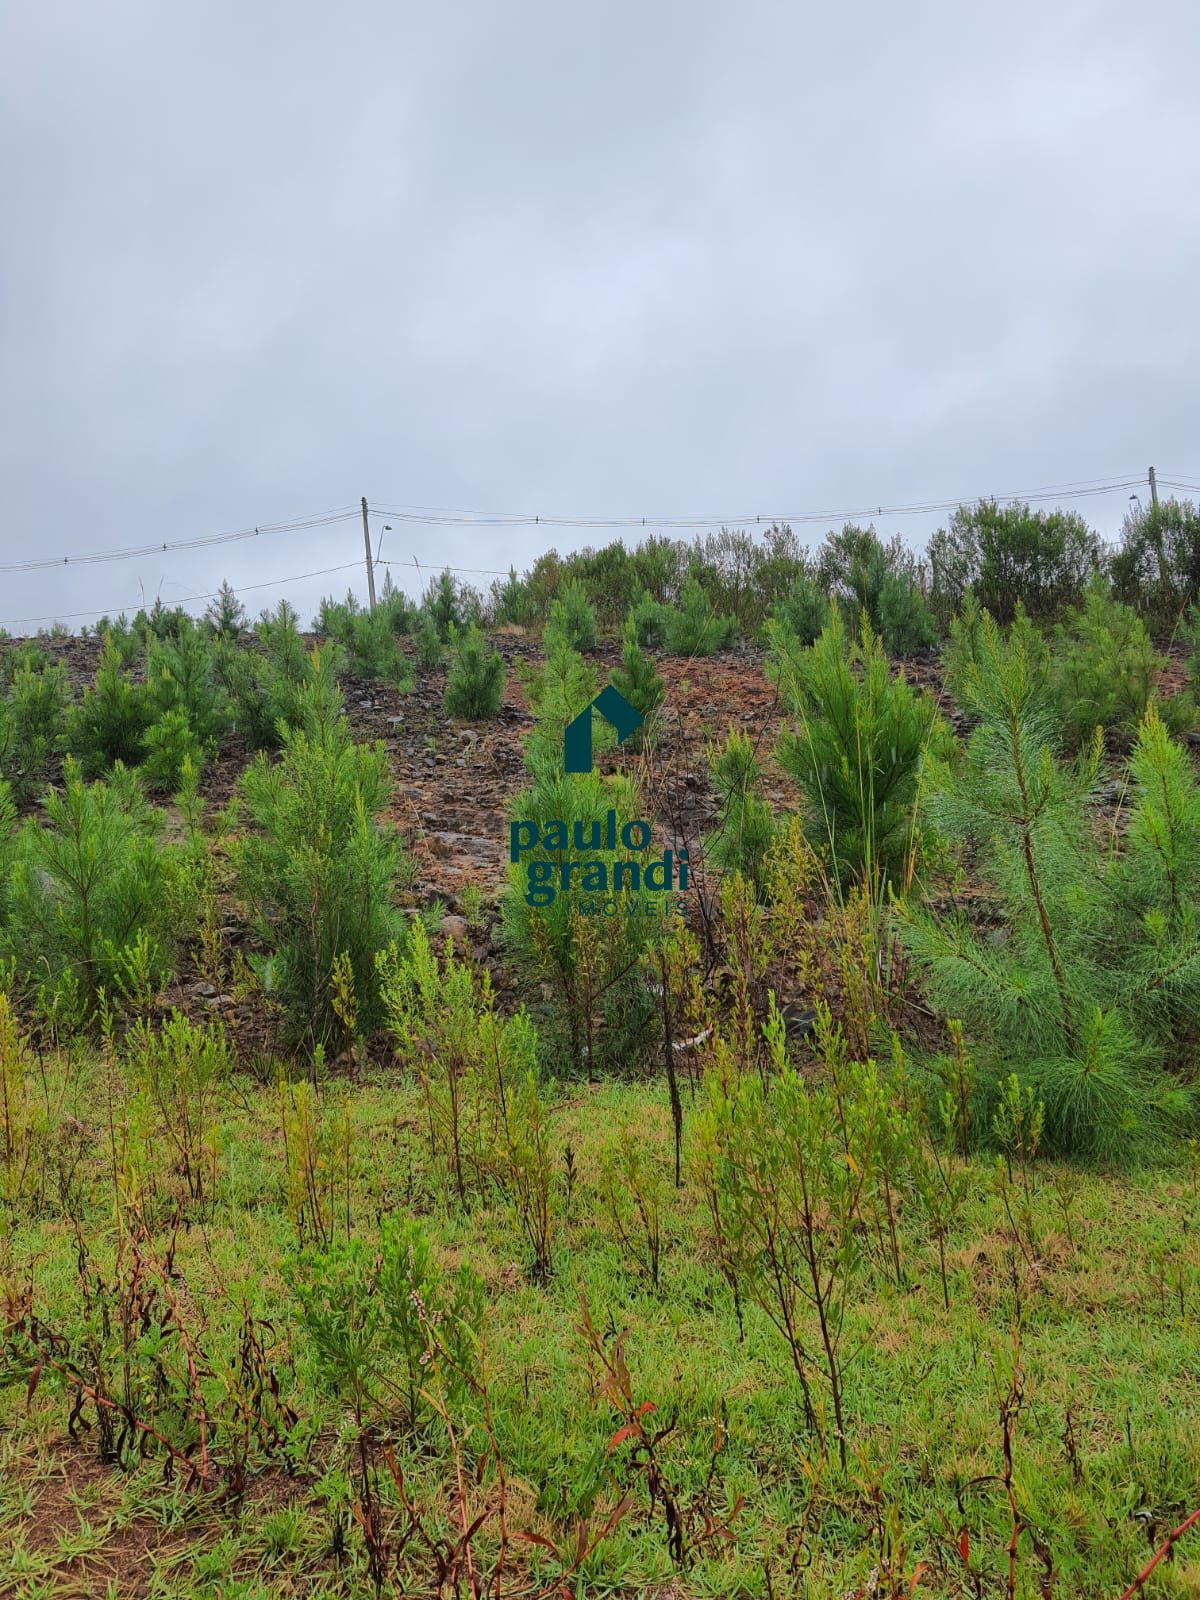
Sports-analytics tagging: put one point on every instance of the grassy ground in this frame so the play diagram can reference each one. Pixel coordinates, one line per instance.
(1094, 1296)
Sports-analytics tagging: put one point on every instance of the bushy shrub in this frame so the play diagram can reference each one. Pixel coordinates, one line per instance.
(1012, 553)
(475, 679)
(860, 739)
(317, 874)
(8, 833)
(1157, 568)
(121, 636)
(581, 969)
(789, 1173)
(89, 882)
(693, 627)
(375, 1317)
(571, 619)
(859, 570)
(1065, 991)
(1147, 935)
(557, 690)
(487, 1114)
(397, 610)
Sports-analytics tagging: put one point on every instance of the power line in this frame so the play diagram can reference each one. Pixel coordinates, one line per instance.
(429, 516)
(432, 516)
(322, 519)
(188, 599)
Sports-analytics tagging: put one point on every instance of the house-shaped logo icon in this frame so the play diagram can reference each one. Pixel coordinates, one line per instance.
(577, 736)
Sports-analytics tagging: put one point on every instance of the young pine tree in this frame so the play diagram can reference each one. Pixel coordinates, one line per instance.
(109, 724)
(35, 715)
(226, 615)
(742, 840)
(1059, 996)
(475, 680)
(571, 619)
(693, 627)
(430, 649)
(857, 749)
(318, 872)
(90, 878)
(637, 678)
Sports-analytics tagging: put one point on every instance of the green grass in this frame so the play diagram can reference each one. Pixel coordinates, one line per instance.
(1106, 1339)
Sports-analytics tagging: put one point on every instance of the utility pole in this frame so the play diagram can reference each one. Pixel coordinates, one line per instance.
(1153, 489)
(367, 548)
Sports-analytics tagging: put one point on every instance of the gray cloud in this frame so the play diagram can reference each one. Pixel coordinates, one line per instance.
(697, 258)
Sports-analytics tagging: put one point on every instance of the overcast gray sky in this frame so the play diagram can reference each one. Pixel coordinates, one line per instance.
(259, 259)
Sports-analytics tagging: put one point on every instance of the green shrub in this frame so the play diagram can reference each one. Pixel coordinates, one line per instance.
(746, 827)
(580, 970)
(571, 619)
(693, 628)
(475, 679)
(372, 1315)
(8, 834)
(1157, 569)
(791, 1171)
(368, 641)
(181, 1068)
(90, 880)
(1147, 935)
(859, 570)
(127, 642)
(857, 750)
(396, 608)
(317, 875)
(109, 723)
(557, 690)
(1010, 554)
